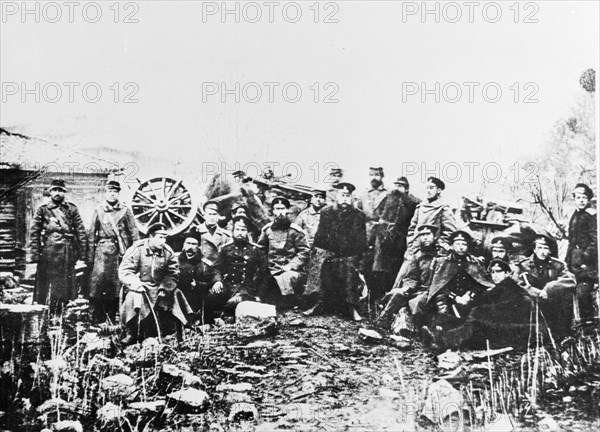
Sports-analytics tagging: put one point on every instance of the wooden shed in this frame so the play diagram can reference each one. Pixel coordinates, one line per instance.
(27, 166)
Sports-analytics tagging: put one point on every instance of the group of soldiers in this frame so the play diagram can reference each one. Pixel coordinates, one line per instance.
(400, 254)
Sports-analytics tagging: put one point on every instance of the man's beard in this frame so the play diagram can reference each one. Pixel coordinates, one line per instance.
(240, 239)
(376, 183)
(58, 199)
(281, 223)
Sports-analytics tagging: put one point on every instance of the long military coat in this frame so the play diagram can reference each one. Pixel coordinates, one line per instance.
(107, 246)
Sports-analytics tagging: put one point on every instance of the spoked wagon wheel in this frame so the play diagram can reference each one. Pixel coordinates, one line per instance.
(163, 200)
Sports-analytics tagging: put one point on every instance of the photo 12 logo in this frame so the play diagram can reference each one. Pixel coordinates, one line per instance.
(470, 11)
(270, 12)
(270, 92)
(69, 92)
(469, 91)
(69, 12)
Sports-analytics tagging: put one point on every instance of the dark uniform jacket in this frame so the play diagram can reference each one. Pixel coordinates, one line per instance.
(415, 273)
(108, 242)
(583, 244)
(58, 240)
(455, 275)
(342, 232)
(284, 248)
(550, 275)
(244, 268)
(196, 269)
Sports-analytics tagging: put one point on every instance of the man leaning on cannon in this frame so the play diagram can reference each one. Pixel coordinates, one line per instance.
(152, 302)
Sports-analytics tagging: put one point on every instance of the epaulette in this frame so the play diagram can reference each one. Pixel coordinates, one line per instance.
(254, 244)
(558, 261)
(266, 226)
(168, 248)
(591, 211)
(139, 242)
(225, 232)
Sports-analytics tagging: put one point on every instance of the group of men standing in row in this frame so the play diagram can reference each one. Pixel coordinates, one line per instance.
(406, 249)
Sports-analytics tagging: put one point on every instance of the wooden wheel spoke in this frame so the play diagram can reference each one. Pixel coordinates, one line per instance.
(170, 220)
(152, 218)
(143, 195)
(141, 205)
(164, 188)
(146, 212)
(179, 198)
(173, 189)
(176, 214)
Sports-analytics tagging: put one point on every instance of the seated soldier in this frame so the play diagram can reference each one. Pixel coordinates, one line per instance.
(413, 277)
(196, 275)
(547, 280)
(152, 304)
(244, 269)
(500, 248)
(457, 280)
(504, 312)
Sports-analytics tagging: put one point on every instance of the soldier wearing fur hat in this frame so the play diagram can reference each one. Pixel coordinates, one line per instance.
(196, 275)
(152, 303)
(582, 253)
(112, 231)
(548, 280)
(340, 242)
(285, 245)
(433, 211)
(58, 241)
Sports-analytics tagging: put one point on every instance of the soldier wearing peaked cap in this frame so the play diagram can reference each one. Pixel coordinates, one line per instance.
(334, 178)
(284, 243)
(582, 253)
(308, 219)
(433, 211)
(212, 236)
(112, 231)
(58, 241)
(548, 280)
(334, 282)
(152, 302)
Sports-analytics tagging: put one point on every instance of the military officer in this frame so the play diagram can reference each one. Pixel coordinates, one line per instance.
(335, 177)
(287, 251)
(58, 241)
(112, 231)
(308, 219)
(243, 267)
(342, 238)
(548, 281)
(433, 211)
(213, 237)
(152, 302)
(196, 276)
(500, 247)
(582, 253)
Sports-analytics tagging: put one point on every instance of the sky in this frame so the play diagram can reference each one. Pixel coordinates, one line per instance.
(374, 65)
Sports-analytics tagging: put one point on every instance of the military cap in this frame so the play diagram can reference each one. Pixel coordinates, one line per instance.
(245, 220)
(194, 234)
(376, 170)
(157, 228)
(437, 182)
(113, 184)
(541, 238)
(346, 187)
(336, 172)
(58, 184)
(500, 241)
(584, 189)
(402, 181)
(429, 227)
(238, 173)
(461, 235)
(238, 206)
(498, 263)
(280, 200)
(319, 192)
(215, 205)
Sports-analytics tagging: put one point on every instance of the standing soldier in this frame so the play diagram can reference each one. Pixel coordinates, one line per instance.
(308, 219)
(284, 244)
(213, 237)
(582, 254)
(335, 177)
(436, 212)
(112, 231)
(342, 236)
(395, 211)
(58, 241)
(152, 301)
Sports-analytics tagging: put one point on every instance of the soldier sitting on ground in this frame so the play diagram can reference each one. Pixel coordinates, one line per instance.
(152, 303)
